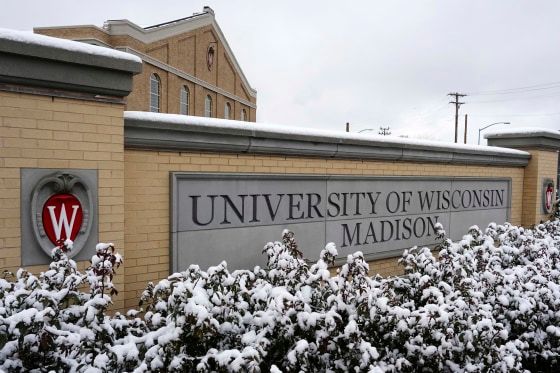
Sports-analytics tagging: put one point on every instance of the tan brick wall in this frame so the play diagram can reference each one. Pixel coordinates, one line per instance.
(543, 164)
(47, 132)
(147, 198)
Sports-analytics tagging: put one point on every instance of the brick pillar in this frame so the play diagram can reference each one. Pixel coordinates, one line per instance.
(61, 114)
(543, 145)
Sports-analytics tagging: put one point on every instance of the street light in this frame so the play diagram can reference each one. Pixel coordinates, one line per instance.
(366, 129)
(490, 125)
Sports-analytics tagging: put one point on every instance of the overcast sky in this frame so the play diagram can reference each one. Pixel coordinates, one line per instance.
(390, 63)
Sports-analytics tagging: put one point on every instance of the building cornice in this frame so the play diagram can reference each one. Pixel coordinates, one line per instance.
(66, 27)
(168, 132)
(157, 63)
(93, 41)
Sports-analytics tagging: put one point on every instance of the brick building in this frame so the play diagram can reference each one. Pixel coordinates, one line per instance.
(188, 66)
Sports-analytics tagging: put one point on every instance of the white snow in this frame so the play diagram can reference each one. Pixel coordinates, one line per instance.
(274, 129)
(527, 131)
(28, 37)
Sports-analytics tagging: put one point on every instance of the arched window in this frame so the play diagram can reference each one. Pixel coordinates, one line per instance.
(155, 93)
(243, 114)
(227, 110)
(208, 106)
(184, 101)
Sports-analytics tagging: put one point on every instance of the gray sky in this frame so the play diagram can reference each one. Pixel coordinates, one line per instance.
(390, 63)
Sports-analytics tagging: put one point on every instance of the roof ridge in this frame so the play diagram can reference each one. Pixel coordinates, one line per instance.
(173, 21)
(205, 10)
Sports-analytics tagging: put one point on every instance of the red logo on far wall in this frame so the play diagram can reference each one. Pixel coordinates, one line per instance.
(548, 197)
(62, 217)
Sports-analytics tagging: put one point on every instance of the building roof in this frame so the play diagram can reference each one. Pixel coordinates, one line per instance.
(168, 29)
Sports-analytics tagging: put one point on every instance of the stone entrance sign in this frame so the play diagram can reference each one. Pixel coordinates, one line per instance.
(219, 217)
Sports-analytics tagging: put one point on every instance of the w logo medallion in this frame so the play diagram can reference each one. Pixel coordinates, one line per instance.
(62, 217)
(62, 208)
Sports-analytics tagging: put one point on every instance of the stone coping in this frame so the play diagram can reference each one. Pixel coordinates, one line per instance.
(169, 132)
(526, 138)
(50, 63)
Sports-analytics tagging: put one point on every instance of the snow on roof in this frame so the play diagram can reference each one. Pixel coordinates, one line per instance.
(263, 128)
(28, 37)
(525, 131)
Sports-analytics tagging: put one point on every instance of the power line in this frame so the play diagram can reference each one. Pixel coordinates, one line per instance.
(528, 88)
(516, 115)
(431, 110)
(514, 99)
(516, 91)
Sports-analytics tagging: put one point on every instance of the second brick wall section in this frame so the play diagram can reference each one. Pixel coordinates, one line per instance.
(147, 198)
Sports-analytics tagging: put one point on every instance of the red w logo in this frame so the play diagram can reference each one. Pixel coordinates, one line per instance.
(62, 217)
(548, 197)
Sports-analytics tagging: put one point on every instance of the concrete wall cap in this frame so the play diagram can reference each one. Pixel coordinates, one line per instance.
(525, 138)
(524, 132)
(179, 128)
(50, 48)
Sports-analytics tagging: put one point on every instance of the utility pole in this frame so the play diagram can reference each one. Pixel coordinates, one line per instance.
(457, 104)
(347, 127)
(466, 116)
(385, 131)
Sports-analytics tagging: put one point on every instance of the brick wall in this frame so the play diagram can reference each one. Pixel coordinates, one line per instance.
(48, 132)
(543, 164)
(147, 198)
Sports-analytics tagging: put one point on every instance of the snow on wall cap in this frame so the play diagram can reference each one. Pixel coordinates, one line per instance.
(213, 125)
(28, 43)
(524, 132)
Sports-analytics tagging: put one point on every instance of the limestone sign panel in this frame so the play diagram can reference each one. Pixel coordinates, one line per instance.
(219, 217)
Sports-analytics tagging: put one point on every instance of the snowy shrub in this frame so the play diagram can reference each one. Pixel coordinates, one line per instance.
(490, 302)
(48, 323)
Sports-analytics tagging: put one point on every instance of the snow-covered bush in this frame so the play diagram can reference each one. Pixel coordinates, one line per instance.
(490, 302)
(48, 323)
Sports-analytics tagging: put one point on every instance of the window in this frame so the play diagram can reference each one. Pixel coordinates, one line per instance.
(227, 110)
(208, 106)
(155, 93)
(243, 114)
(184, 101)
